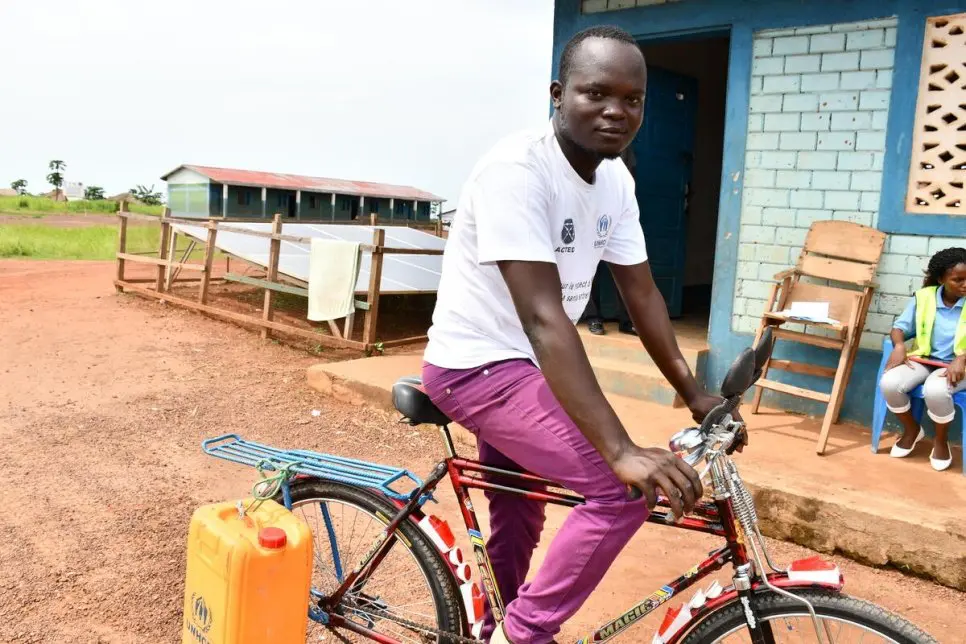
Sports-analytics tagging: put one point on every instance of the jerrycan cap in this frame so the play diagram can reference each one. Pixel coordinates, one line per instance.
(272, 537)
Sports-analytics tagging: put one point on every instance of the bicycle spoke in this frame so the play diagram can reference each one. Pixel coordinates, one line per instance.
(394, 600)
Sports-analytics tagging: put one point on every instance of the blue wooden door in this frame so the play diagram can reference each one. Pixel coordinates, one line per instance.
(663, 151)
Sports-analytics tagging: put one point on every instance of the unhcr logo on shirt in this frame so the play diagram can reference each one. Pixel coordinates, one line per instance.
(603, 227)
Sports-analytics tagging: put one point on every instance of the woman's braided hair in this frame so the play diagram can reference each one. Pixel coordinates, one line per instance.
(942, 262)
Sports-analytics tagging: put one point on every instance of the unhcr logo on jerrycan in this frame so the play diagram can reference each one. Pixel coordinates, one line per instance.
(199, 623)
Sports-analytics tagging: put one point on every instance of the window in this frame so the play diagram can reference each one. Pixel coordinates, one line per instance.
(938, 164)
(312, 202)
(244, 197)
(374, 206)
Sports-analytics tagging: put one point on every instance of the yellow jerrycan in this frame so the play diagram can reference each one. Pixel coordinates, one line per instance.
(248, 575)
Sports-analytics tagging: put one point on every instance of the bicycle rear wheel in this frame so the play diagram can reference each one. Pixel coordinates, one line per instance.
(411, 596)
(846, 620)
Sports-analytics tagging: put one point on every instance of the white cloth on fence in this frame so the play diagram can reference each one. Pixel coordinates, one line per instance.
(333, 271)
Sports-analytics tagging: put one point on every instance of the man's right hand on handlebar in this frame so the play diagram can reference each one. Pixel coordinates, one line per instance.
(653, 470)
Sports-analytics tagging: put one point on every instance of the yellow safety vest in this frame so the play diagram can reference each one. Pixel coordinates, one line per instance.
(926, 303)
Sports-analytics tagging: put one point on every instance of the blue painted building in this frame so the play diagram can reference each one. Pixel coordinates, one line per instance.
(767, 115)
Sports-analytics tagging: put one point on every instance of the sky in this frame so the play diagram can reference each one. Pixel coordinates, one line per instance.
(409, 92)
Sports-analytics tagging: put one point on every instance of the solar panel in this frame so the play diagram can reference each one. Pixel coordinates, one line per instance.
(400, 273)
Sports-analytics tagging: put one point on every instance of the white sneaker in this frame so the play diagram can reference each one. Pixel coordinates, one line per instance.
(499, 636)
(939, 465)
(900, 452)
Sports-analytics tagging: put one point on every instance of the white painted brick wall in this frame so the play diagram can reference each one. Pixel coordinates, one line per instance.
(820, 101)
(818, 74)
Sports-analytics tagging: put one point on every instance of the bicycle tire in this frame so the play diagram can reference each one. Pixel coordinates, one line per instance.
(841, 607)
(443, 587)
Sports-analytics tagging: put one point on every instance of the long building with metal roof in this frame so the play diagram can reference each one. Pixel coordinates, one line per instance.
(204, 191)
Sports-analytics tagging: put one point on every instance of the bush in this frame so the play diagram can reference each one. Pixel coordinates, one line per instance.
(14, 248)
(45, 204)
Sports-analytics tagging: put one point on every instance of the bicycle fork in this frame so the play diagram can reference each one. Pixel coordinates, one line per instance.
(759, 630)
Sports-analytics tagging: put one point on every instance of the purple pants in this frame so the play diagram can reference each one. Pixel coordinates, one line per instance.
(518, 422)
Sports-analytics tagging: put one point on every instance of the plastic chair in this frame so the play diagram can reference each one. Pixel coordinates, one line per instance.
(879, 409)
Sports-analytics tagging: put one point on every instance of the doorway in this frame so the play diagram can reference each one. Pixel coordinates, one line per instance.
(676, 161)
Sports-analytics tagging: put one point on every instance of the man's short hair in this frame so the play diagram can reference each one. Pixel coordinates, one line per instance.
(608, 32)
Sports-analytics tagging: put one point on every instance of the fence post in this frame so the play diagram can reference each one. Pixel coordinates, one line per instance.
(209, 260)
(172, 252)
(375, 279)
(121, 244)
(273, 253)
(163, 248)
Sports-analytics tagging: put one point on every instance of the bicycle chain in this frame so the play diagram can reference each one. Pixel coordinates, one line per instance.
(451, 637)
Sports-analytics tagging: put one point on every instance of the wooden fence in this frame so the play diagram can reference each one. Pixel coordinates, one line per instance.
(169, 269)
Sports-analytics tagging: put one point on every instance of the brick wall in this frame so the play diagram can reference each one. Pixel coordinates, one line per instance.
(816, 144)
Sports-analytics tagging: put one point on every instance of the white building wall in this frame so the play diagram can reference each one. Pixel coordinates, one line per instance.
(816, 144)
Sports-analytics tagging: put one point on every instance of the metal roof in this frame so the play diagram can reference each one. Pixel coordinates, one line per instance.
(257, 179)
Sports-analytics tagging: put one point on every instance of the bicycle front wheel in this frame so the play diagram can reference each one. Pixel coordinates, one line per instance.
(411, 596)
(844, 619)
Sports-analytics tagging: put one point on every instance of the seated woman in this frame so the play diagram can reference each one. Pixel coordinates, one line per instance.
(935, 318)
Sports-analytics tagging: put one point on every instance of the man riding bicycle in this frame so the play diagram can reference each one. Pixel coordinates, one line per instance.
(538, 213)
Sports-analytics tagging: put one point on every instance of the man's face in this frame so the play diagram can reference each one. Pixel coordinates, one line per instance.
(601, 107)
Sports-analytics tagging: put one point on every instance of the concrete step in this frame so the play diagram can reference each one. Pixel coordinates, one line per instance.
(622, 348)
(633, 380)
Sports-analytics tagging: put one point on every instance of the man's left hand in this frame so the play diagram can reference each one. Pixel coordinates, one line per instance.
(703, 403)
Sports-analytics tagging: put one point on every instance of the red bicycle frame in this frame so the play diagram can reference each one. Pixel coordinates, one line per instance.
(715, 518)
(710, 518)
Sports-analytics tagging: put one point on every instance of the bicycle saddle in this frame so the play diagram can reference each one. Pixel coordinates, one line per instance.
(414, 404)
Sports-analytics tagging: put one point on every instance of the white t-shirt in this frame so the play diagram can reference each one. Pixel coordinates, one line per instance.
(524, 201)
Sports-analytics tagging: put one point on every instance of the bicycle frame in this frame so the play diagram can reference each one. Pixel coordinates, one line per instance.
(715, 518)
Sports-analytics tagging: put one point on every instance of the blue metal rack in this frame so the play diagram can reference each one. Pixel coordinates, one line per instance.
(233, 447)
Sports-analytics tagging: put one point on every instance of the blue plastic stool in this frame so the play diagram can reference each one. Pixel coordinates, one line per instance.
(918, 404)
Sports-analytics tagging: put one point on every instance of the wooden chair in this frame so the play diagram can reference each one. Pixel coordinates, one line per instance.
(842, 258)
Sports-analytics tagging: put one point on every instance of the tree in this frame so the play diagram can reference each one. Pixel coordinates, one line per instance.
(146, 195)
(20, 185)
(93, 193)
(56, 176)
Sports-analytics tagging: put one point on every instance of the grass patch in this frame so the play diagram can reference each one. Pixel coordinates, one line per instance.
(38, 241)
(45, 205)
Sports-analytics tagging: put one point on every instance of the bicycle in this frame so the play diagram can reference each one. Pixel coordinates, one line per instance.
(407, 551)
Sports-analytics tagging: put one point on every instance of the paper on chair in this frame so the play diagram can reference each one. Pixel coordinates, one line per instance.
(810, 311)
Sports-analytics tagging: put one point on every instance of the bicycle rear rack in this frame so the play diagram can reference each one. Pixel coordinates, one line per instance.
(233, 447)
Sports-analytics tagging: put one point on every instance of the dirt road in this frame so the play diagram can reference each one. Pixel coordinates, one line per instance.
(103, 402)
